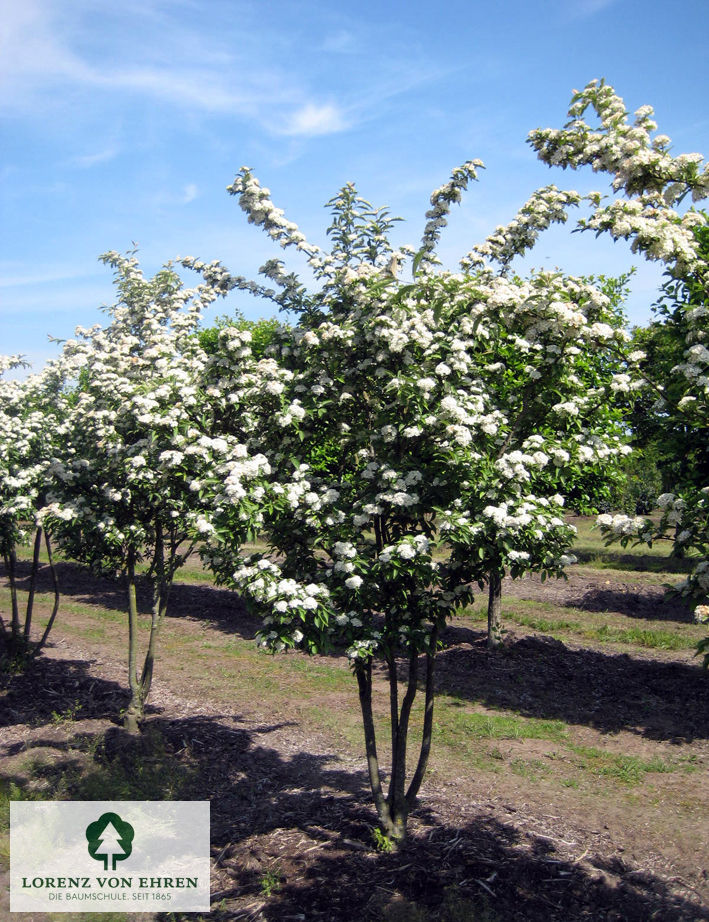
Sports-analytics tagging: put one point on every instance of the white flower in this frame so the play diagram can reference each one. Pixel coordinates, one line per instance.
(203, 526)
(354, 582)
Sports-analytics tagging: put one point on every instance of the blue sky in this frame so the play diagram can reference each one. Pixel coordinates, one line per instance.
(125, 122)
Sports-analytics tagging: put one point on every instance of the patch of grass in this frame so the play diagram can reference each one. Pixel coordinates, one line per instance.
(625, 769)
(474, 725)
(544, 625)
(531, 769)
(604, 627)
(652, 638)
(382, 842)
(271, 881)
(69, 714)
(141, 769)
(322, 677)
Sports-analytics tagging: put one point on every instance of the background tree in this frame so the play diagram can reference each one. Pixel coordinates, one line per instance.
(141, 454)
(681, 448)
(652, 185)
(31, 425)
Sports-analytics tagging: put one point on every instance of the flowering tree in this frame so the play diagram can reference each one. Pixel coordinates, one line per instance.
(30, 426)
(651, 184)
(551, 359)
(680, 445)
(406, 426)
(141, 453)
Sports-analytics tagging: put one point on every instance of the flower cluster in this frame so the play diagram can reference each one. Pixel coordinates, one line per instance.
(142, 465)
(441, 200)
(417, 435)
(641, 167)
(651, 184)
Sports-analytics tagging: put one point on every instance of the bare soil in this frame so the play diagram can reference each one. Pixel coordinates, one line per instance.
(292, 817)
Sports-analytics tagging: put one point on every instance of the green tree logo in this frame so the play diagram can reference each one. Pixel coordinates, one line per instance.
(110, 840)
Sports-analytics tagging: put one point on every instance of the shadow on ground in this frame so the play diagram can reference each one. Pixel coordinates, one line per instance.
(292, 829)
(651, 563)
(655, 604)
(541, 677)
(220, 607)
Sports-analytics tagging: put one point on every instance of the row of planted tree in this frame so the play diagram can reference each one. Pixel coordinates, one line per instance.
(413, 435)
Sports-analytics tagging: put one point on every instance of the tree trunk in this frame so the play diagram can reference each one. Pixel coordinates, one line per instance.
(393, 810)
(55, 583)
(494, 611)
(160, 593)
(33, 583)
(10, 561)
(363, 671)
(398, 804)
(134, 711)
(161, 590)
(427, 736)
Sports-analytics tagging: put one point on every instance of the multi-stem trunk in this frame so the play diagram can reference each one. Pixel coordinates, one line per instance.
(140, 683)
(394, 808)
(494, 610)
(10, 561)
(18, 639)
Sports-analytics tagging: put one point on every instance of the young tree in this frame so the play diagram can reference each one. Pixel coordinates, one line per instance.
(652, 184)
(680, 446)
(31, 423)
(141, 451)
(404, 426)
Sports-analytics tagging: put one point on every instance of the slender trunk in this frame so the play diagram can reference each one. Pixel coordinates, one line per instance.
(363, 671)
(427, 736)
(397, 785)
(134, 711)
(33, 583)
(55, 583)
(160, 594)
(393, 711)
(494, 610)
(10, 561)
(3, 628)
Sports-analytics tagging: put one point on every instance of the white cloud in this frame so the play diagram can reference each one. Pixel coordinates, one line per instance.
(313, 119)
(51, 52)
(86, 161)
(189, 193)
(38, 64)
